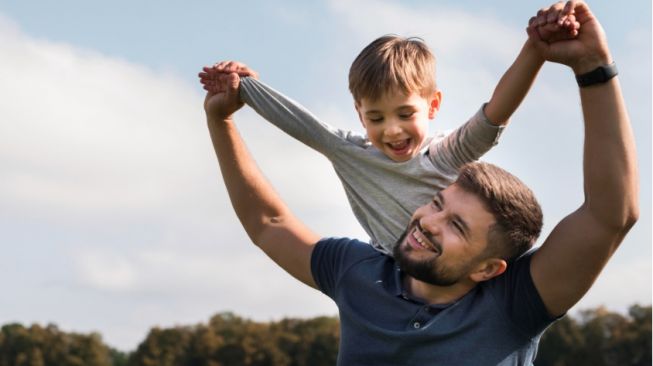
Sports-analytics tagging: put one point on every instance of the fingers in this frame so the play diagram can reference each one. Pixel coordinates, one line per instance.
(557, 22)
(551, 14)
(222, 76)
(217, 82)
(234, 67)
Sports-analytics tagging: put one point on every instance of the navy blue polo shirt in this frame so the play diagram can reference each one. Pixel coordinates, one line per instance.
(499, 322)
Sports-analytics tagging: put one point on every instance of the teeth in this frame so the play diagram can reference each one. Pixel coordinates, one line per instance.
(423, 242)
(398, 144)
(419, 240)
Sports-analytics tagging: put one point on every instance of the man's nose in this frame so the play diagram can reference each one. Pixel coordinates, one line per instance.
(432, 223)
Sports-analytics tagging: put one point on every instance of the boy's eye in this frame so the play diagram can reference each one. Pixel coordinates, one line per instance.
(406, 115)
(375, 119)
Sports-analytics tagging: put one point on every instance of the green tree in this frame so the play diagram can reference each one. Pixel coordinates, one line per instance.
(38, 346)
(599, 338)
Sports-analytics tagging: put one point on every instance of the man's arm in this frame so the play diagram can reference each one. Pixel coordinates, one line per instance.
(264, 216)
(574, 254)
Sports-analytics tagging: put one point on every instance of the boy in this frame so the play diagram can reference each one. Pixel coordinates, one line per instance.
(391, 171)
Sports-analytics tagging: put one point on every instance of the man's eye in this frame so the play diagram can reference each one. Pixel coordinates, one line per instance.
(437, 204)
(457, 226)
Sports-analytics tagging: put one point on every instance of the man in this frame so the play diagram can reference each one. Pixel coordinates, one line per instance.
(456, 294)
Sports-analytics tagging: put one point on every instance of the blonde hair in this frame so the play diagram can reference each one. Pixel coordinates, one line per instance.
(392, 63)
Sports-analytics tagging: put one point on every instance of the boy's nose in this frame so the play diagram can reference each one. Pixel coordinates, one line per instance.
(393, 129)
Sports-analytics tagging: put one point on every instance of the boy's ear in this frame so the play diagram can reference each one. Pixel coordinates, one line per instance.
(434, 103)
(488, 269)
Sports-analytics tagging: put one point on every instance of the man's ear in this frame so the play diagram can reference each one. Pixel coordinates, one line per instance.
(488, 269)
(434, 103)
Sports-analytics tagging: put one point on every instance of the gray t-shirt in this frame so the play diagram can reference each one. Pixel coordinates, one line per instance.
(383, 193)
(498, 322)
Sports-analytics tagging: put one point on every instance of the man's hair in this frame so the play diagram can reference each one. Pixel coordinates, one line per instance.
(392, 63)
(517, 213)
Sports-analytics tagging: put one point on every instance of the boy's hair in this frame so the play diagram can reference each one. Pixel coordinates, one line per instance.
(392, 63)
(517, 213)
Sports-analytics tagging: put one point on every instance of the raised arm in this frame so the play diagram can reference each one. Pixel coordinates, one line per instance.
(264, 216)
(574, 254)
(517, 80)
(278, 109)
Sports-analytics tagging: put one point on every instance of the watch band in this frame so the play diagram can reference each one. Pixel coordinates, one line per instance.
(597, 76)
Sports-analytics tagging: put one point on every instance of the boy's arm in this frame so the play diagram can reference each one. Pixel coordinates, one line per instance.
(576, 251)
(517, 80)
(283, 112)
(264, 216)
(513, 85)
(473, 139)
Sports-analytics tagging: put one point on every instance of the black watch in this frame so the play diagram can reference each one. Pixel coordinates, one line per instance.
(597, 76)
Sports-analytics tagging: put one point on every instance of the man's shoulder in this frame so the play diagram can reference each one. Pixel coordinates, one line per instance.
(332, 258)
(347, 248)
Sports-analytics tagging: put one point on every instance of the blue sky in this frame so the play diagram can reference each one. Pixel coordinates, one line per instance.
(113, 217)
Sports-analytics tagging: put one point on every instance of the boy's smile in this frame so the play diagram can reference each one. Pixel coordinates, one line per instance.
(397, 123)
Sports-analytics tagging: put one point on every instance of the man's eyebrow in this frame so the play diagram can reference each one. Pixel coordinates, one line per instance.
(456, 217)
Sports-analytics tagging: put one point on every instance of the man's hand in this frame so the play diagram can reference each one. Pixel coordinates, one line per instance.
(553, 25)
(222, 82)
(583, 53)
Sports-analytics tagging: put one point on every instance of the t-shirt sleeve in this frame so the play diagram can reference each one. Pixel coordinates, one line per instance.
(290, 116)
(516, 292)
(331, 257)
(465, 144)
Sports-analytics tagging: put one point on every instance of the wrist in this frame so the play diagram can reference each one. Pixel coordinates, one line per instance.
(220, 120)
(530, 50)
(590, 63)
(600, 75)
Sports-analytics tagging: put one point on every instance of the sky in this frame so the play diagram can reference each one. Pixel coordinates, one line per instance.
(113, 215)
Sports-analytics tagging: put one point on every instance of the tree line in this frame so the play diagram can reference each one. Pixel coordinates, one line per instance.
(595, 337)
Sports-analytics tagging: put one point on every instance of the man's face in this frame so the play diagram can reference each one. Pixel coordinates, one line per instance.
(446, 238)
(396, 123)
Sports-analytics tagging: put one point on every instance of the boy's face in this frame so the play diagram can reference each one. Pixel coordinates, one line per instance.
(397, 123)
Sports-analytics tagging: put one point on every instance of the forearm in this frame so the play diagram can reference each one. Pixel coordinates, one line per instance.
(287, 114)
(610, 163)
(514, 85)
(255, 202)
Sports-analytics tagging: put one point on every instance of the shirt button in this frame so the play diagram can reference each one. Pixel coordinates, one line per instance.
(416, 325)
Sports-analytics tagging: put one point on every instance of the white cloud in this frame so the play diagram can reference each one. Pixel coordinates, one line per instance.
(111, 165)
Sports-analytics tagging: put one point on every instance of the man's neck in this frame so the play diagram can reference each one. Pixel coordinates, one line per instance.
(432, 294)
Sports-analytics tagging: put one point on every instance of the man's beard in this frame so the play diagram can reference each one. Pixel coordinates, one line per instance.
(426, 270)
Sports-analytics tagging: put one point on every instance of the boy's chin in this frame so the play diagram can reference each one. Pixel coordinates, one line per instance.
(400, 158)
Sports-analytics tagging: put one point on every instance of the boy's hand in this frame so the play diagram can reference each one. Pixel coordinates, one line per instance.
(222, 82)
(211, 77)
